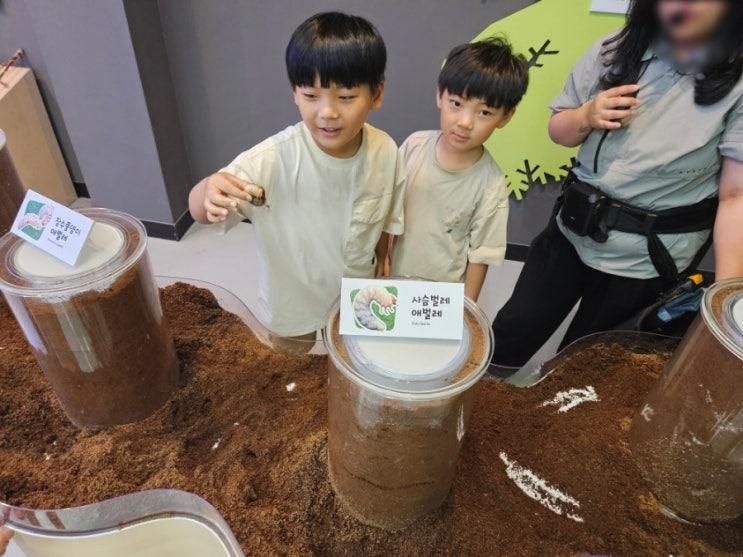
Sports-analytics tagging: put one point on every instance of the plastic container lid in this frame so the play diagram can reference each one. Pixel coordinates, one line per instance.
(722, 311)
(116, 242)
(103, 244)
(415, 364)
(414, 369)
(736, 309)
(153, 523)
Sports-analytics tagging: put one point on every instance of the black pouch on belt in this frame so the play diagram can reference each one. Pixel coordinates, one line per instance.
(583, 209)
(586, 211)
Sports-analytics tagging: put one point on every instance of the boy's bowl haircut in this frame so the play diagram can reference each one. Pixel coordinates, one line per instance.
(340, 49)
(488, 70)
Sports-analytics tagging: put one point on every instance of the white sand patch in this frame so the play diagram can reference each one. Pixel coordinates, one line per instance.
(538, 489)
(647, 412)
(460, 424)
(567, 400)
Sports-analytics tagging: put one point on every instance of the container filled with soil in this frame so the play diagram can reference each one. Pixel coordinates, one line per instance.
(688, 436)
(398, 413)
(97, 329)
(11, 190)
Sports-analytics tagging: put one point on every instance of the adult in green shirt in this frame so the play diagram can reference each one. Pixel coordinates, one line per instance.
(657, 110)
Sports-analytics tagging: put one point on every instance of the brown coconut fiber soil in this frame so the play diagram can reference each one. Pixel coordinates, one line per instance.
(236, 436)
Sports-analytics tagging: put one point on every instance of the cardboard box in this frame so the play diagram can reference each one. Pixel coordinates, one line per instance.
(31, 140)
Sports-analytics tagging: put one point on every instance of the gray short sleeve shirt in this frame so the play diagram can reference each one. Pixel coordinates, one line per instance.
(669, 155)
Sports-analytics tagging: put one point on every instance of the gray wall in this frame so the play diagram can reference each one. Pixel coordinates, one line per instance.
(124, 77)
(227, 62)
(159, 93)
(88, 52)
(109, 93)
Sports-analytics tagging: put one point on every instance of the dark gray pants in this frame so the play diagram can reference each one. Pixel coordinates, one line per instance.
(553, 279)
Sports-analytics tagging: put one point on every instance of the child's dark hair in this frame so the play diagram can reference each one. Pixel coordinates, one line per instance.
(487, 69)
(624, 52)
(338, 48)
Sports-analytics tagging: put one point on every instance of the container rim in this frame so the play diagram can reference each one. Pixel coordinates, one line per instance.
(9, 243)
(230, 302)
(432, 394)
(716, 325)
(112, 515)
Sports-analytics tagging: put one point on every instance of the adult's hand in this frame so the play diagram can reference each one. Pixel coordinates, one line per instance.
(728, 229)
(610, 108)
(5, 536)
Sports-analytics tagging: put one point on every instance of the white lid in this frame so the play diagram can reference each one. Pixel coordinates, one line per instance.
(103, 244)
(159, 537)
(737, 313)
(116, 243)
(443, 371)
(419, 363)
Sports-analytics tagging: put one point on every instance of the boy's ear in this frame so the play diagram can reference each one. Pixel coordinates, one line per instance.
(295, 95)
(378, 97)
(506, 118)
(439, 100)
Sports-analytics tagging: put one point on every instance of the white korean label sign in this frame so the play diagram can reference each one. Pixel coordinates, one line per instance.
(53, 228)
(402, 308)
(610, 6)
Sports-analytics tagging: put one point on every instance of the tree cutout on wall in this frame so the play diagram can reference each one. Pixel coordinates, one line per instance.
(530, 176)
(537, 54)
(523, 149)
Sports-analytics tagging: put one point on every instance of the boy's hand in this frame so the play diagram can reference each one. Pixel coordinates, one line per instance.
(5, 536)
(222, 192)
(612, 108)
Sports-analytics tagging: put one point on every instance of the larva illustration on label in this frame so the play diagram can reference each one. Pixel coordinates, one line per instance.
(374, 307)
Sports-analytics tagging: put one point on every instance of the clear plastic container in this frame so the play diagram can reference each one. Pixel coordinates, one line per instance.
(11, 189)
(96, 329)
(688, 437)
(156, 523)
(292, 346)
(398, 412)
(153, 523)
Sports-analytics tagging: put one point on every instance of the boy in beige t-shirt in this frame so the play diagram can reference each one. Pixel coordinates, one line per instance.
(322, 192)
(456, 201)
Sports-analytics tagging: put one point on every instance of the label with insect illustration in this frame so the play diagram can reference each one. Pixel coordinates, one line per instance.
(52, 227)
(402, 308)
